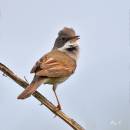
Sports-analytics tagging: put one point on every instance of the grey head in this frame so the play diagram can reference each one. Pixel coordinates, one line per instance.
(67, 41)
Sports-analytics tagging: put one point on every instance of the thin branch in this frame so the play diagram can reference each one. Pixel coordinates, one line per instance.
(71, 122)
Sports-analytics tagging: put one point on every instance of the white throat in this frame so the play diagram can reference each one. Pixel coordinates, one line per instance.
(74, 53)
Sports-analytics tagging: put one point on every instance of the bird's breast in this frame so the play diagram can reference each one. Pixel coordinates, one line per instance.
(55, 80)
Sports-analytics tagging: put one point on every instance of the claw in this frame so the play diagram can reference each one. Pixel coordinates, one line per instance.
(58, 108)
(41, 104)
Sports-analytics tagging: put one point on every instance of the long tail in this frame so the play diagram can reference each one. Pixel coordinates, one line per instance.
(37, 81)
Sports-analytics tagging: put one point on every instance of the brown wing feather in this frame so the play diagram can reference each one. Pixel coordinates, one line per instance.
(54, 64)
(55, 71)
(37, 65)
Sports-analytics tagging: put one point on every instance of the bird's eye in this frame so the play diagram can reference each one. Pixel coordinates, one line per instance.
(63, 38)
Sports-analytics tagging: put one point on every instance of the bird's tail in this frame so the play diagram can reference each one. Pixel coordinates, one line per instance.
(37, 81)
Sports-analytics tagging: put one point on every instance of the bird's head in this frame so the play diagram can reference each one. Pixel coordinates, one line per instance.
(68, 42)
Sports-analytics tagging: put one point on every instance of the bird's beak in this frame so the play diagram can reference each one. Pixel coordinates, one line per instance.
(75, 38)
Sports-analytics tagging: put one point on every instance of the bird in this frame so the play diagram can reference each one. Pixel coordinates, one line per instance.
(57, 65)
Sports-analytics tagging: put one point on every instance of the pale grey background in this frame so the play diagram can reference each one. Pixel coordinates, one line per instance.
(98, 95)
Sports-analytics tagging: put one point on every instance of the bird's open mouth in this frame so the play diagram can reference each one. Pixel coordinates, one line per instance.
(75, 38)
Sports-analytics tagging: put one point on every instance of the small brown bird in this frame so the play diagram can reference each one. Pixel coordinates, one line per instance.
(57, 65)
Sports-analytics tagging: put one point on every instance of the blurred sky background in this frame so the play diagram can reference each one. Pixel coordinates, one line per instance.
(98, 95)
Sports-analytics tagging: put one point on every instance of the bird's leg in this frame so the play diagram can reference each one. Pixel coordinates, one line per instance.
(54, 90)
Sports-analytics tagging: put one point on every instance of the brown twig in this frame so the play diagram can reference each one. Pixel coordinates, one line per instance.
(41, 98)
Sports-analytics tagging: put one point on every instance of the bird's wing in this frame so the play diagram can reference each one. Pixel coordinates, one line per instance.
(36, 67)
(54, 65)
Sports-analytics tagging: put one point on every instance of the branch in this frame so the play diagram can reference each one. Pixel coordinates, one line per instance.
(41, 98)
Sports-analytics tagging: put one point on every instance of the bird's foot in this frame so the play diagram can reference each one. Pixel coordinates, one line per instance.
(41, 104)
(58, 108)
